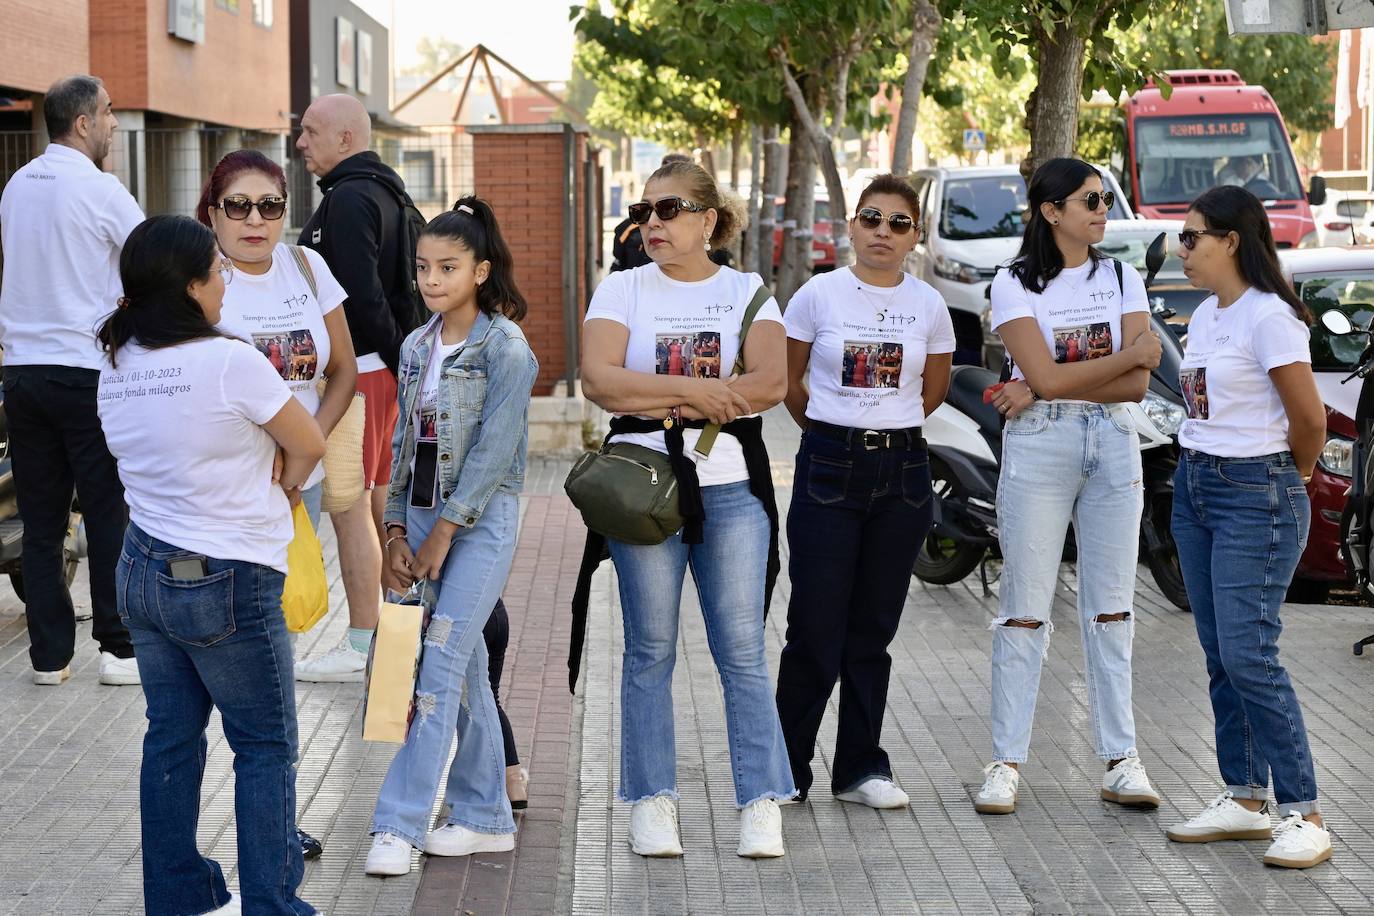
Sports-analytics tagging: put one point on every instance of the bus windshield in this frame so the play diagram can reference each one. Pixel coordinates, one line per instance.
(1179, 158)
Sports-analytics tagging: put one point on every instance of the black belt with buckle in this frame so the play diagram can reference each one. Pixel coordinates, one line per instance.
(870, 439)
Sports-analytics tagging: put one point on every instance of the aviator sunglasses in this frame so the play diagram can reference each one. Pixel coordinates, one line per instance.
(1092, 199)
(238, 207)
(870, 217)
(1188, 237)
(666, 207)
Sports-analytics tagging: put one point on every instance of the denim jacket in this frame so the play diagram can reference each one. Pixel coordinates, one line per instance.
(483, 417)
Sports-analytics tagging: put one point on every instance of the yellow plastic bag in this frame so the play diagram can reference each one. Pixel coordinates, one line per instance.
(305, 596)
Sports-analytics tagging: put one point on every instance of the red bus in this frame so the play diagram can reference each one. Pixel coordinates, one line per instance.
(1213, 129)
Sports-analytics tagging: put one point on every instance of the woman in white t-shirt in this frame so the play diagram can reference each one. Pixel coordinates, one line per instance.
(287, 305)
(1255, 427)
(729, 538)
(195, 420)
(1069, 453)
(878, 344)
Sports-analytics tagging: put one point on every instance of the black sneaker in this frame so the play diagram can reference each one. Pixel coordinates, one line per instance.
(311, 848)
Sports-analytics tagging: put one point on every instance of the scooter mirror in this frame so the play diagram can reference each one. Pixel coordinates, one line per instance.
(1337, 323)
(1157, 252)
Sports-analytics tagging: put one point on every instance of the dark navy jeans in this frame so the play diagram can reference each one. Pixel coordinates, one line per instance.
(1240, 525)
(856, 523)
(216, 642)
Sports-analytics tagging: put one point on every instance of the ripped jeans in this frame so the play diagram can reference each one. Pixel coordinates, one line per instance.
(1065, 462)
(453, 693)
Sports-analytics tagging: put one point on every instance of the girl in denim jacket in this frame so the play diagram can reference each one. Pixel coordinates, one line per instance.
(458, 465)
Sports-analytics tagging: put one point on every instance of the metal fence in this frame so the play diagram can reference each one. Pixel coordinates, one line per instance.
(165, 168)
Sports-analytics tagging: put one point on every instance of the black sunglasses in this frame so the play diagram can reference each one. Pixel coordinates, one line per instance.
(1092, 199)
(238, 207)
(666, 207)
(871, 217)
(1188, 237)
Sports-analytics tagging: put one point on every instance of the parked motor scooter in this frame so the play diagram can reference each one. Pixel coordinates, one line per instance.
(964, 438)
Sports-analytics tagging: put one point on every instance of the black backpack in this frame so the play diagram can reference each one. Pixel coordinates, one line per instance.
(412, 222)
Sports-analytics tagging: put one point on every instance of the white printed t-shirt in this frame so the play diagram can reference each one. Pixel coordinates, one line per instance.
(284, 321)
(184, 424)
(1079, 312)
(689, 329)
(868, 347)
(1234, 410)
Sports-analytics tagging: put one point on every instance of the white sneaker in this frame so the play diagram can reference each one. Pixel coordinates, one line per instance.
(1298, 843)
(342, 664)
(233, 908)
(998, 795)
(389, 856)
(457, 840)
(1126, 784)
(1223, 819)
(653, 828)
(51, 678)
(760, 830)
(119, 672)
(876, 792)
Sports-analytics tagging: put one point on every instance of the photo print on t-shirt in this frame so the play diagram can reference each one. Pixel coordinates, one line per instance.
(871, 364)
(692, 355)
(1084, 341)
(1194, 382)
(291, 353)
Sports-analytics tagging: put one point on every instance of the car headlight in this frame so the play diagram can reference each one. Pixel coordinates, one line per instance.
(1163, 413)
(958, 271)
(1338, 456)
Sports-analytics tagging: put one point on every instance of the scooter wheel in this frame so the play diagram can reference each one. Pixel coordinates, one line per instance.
(944, 561)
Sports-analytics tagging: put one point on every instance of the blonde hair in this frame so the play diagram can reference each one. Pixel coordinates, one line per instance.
(702, 189)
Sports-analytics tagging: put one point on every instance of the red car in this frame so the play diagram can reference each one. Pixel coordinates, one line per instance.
(823, 242)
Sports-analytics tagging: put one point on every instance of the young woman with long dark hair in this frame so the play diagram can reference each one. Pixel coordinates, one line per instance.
(1069, 453)
(195, 420)
(1255, 427)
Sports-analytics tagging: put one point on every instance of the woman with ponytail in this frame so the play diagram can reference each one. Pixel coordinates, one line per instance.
(458, 465)
(1255, 427)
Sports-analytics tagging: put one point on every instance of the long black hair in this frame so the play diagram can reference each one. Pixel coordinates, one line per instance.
(1237, 210)
(472, 224)
(1039, 261)
(161, 258)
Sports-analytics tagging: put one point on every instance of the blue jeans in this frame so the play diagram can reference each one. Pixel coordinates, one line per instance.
(313, 499)
(1065, 462)
(1240, 525)
(452, 692)
(857, 521)
(216, 642)
(728, 568)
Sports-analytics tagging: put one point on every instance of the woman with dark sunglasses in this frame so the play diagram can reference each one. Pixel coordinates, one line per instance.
(1255, 427)
(729, 539)
(878, 344)
(1069, 453)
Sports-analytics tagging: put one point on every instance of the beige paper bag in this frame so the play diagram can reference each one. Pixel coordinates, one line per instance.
(393, 664)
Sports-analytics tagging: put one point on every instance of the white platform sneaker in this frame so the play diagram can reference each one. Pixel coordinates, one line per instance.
(653, 828)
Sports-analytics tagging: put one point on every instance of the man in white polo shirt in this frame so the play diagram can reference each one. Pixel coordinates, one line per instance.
(63, 222)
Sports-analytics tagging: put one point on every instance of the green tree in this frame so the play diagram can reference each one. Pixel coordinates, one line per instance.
(434, 54)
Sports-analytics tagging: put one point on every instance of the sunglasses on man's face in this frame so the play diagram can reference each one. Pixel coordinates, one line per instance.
(870, 218)
(238, 207)
(1093, 199)
(665, 207)
(1188, 237)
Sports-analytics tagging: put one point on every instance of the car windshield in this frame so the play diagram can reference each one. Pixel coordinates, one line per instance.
(1349, 292)
(1130, 247)
(1179, 158)
(989, 208)
(1353, 209)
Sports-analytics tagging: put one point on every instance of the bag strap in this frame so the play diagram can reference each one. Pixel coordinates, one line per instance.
(707, 440)
(1120, 278)
(303, 264)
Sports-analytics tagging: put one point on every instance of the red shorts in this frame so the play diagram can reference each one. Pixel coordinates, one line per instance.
(379, 393)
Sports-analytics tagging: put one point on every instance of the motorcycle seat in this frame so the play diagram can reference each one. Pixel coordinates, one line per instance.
(966, 386)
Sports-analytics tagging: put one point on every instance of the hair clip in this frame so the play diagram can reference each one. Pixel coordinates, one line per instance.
(464, 208)
(122, 302)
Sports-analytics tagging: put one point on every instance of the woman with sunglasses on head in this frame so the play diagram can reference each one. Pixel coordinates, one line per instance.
(1069, 454)
(729, 539)
(1255, 427)
(861, 497)
(196, 420)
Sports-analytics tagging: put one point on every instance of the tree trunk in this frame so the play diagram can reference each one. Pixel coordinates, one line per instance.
(805, 126)
(774, 162)
(736, 154)
(749, 252)
(839, 229)
(798, 213)
(1052, 113)
(925, 30)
